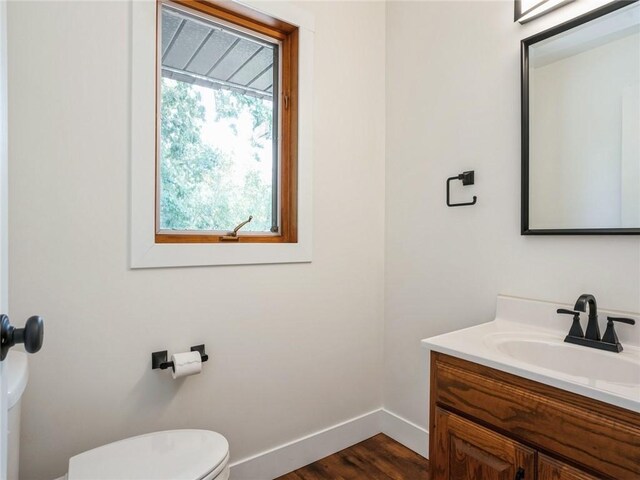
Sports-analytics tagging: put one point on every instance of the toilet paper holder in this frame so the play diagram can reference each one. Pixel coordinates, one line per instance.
(159, 359)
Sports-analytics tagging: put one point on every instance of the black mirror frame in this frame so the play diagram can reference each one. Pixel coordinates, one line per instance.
(524, 77)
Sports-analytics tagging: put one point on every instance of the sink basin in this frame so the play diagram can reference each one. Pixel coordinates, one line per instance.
(526, 339)
(552, 353)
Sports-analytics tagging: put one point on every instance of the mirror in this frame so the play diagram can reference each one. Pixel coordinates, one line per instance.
(581, 125)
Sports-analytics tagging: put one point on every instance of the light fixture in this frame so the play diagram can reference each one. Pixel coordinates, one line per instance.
(527, 10)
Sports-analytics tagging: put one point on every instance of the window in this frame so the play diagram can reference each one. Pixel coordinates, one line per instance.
(186, 240)
(226, 134)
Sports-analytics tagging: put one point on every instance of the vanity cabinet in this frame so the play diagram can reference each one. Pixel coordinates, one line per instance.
(490, 425)
(473, 451)
(552, 469)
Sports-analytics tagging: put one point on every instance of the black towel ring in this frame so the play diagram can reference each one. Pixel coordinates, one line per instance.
(467, 179)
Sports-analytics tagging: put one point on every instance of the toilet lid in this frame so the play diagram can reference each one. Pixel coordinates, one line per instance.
(170, 455)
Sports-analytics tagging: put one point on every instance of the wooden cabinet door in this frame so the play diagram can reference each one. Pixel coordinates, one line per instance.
(466, 451)
(552, 469)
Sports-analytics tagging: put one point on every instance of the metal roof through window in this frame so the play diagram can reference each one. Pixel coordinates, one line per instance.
(208, 54)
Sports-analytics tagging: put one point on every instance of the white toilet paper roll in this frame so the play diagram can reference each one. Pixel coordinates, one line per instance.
(185, 364)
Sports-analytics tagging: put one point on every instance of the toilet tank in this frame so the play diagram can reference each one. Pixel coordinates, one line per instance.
(17, 375)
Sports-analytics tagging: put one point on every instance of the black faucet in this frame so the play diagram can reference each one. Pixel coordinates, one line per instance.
(592, 336)
(593, 330)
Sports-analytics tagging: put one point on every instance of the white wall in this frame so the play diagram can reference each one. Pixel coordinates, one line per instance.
(294, 348)
(453, 104)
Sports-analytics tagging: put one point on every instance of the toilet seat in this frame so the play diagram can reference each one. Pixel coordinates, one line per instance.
(168, 455)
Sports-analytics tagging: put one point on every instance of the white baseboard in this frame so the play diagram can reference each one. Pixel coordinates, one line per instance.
(298, 453)
(405, 432)
(303, 451)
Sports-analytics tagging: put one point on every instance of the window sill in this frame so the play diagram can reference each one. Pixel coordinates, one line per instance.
(202, 254)
(166, 237)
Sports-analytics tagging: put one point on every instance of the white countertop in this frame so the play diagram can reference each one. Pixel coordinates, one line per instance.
(611, 377)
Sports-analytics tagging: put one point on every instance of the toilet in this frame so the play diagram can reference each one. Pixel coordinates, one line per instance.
(17, 375)
(168, 455)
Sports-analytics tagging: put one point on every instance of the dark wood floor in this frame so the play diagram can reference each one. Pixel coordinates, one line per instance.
(378, 458)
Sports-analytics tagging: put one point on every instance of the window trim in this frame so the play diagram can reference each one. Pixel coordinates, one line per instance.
(144, 252)
(287, 36)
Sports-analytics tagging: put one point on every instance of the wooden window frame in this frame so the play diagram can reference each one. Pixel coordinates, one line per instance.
(288, 36)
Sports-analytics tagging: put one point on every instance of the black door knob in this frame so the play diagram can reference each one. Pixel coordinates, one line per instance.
(31, 335)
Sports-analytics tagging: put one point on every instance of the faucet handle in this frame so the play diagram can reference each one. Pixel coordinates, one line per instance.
(576, 328)
(628, 321)
(610, 335)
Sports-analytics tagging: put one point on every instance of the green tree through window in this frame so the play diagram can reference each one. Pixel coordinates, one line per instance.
(205, 182)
